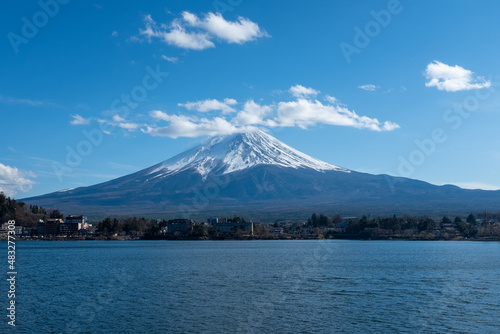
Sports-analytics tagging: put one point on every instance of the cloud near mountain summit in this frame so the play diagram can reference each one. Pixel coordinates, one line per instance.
(223, 117)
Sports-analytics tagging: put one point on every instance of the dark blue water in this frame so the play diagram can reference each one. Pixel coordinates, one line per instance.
(256, 287)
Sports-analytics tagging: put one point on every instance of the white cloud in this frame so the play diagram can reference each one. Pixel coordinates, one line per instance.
(128, 126)
(238, 32)
(170, 59)
(368, 87)
(389, 126)
(304, 113)
(114, 33)
(194, 33)
(13, 180)
(176, 35)
(159, 115)
(210, 105)
(254, 114)
(331, 99)
(301, 91)
(117, 118)
(79, 120)
(453, 78)
(123, 123)
(194, 41)
(186, 126)
(190, 18)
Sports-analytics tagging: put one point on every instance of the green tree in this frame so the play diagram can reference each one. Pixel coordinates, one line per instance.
(108, 226)
(471, 219)
(357, 226)
(56, 214)
(336, 220)
(199, 230)
(426, 224)
(486, 217)
(322, 221)
(318, 221)
(133, 224)
(409, 223)
(153, 228)
(365, 223)
(311, 221)
(392, 223)
(462, 227)
(445, 221)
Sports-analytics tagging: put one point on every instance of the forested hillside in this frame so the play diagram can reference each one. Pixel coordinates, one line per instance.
(24, 215)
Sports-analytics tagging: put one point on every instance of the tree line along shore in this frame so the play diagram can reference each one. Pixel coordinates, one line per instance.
(31, 218)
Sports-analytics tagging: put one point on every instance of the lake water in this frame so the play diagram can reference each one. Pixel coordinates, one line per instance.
(255, 287)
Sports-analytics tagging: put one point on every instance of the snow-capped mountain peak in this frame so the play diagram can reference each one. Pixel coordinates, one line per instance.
(227, 154)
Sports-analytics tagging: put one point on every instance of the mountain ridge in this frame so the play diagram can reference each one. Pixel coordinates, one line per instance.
(256, 173)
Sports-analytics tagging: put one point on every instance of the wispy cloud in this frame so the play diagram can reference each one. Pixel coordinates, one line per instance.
(170, 59)
(210, 105)
(26, 102)
(123, 123)
(79, 120)
(13, 180)
(301, 91)
(189, 126)
(303, 112)
(453, 78)
(368, 87)
(195, 33)
(118, 122)
(128, 126)
(118, 119)
(331, 99)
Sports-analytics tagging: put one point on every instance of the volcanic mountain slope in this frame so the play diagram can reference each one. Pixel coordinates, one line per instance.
(256, 174)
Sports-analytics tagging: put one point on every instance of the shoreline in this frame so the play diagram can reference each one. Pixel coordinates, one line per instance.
(485, 239)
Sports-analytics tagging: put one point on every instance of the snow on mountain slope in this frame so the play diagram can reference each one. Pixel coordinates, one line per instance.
(267, 178)
(227, 154)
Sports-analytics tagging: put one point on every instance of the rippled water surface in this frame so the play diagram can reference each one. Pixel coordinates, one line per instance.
(257, 287)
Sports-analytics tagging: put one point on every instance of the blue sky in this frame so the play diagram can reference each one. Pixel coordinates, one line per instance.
(91, 91)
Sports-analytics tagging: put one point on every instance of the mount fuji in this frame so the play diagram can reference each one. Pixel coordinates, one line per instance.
(228, 154)
(256, 175)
